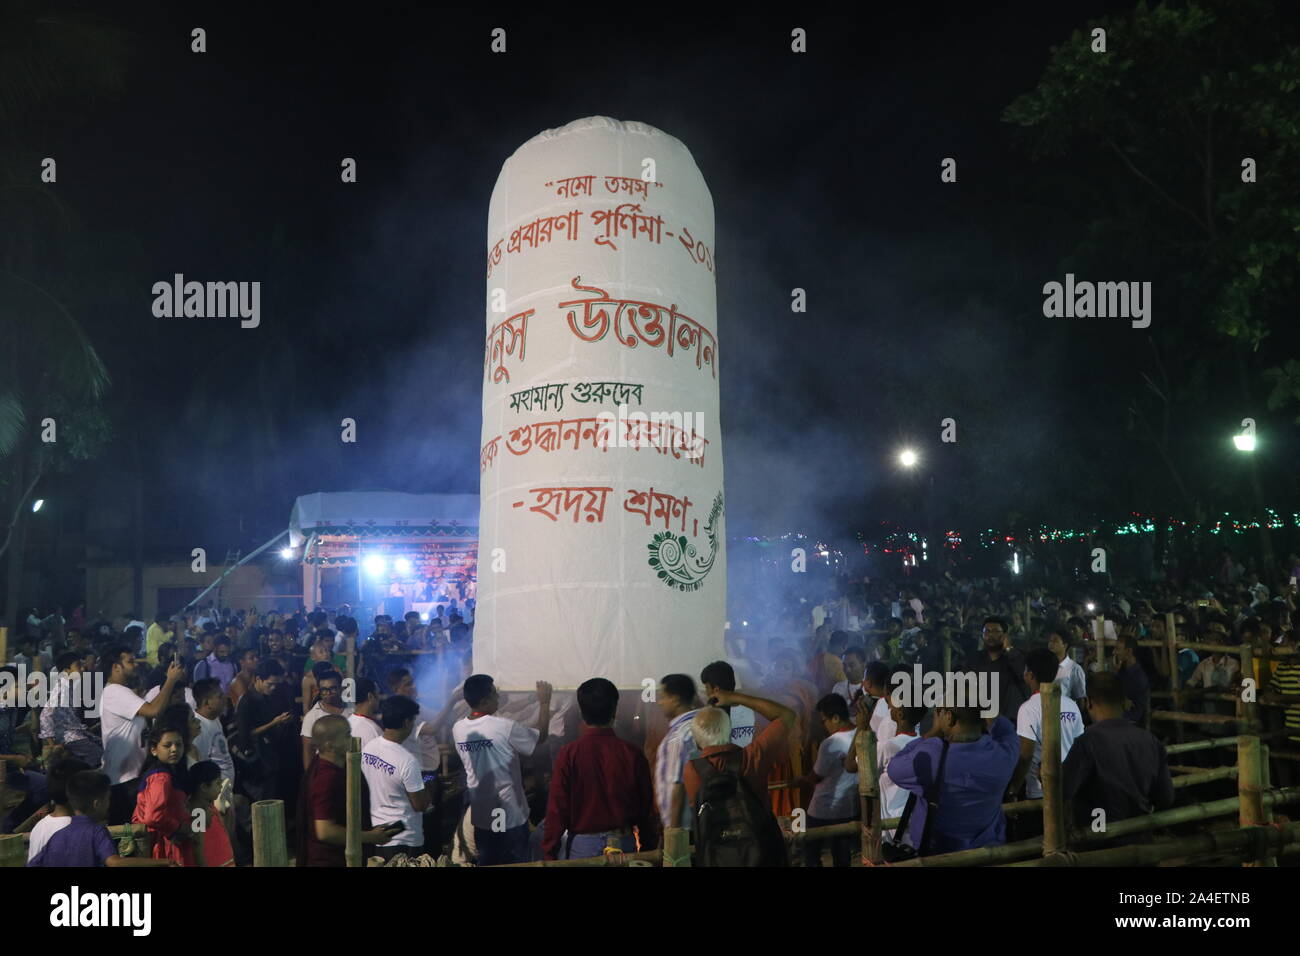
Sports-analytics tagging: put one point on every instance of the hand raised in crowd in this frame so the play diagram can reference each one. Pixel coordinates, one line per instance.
(861, 713)
(175, 670)
(544, 691)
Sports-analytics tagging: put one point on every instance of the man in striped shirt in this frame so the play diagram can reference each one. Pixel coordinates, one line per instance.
(676, 698)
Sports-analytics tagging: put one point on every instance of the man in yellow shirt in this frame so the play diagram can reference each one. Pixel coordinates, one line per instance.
(159, 631)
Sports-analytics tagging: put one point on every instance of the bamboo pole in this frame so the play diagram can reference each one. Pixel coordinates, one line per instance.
(1165, 694)
(1249, 842)
(1220, 648)
(1210, 744)
(1162, 818)
(269, 847)
(1204, 776)
(1174, 715)
(1099, 633)
(1266, 769)
(139, 835)
(1232, 648)
(1018, 806)
(677, 846)
(1049, 770)
(871, 809)
(352, 656)
(352, 851)
(1248, 709)
(1175, 682)
(1250, 780)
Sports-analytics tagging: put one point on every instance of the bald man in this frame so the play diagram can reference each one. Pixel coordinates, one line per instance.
(322, 799)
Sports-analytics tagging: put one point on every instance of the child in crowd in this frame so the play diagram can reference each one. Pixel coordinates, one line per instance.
(162, 802)
(85, 840)
(59, 814)
(211, 846)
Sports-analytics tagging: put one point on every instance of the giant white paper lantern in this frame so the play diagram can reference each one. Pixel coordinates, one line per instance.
(601, 537)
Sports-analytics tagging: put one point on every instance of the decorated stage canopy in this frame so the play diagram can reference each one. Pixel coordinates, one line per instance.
(382, 514)
(602, 548)
(419, 540)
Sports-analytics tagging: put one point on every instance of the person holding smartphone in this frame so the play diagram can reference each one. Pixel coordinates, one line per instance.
(323, 801)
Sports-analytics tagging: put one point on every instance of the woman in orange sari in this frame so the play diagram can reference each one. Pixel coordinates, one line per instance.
(786, 686)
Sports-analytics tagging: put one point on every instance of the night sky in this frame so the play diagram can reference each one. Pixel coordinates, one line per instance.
(924, 298)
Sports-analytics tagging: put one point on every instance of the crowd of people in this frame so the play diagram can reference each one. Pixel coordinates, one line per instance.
(199, 715)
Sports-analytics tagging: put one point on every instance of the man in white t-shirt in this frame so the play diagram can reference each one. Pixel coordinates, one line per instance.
(835, 791)
(122, 714)
(329, 684)
(893, 798)
(490, 747)
(1071, 677)
(362, 720)
(876, 682)
(393, 778)
(722, 676)
(1040, 668)
(854, 660)
(211, 744)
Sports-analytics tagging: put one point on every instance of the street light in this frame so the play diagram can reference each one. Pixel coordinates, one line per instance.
(286, 553)
(1244, 442)
(36, 505)
(907, 458)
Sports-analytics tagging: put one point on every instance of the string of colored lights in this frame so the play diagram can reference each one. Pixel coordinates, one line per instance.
(892, 541)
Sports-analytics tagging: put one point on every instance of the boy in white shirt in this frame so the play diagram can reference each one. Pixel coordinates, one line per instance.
(893, 798)
(835, 791)
(60, 814)
(490, 747)
(1071, 677)
(1040, 668)
(392, 775)
(362, 720)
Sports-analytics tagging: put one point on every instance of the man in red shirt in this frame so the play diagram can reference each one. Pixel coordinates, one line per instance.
(600, 788)
(323, 799)
(713, 737)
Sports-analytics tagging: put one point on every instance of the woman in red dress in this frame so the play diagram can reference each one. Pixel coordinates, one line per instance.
(162, 802)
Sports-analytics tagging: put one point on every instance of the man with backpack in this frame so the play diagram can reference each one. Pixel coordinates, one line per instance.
(727, 785)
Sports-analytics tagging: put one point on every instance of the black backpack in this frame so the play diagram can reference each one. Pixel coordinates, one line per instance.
(733, 827)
